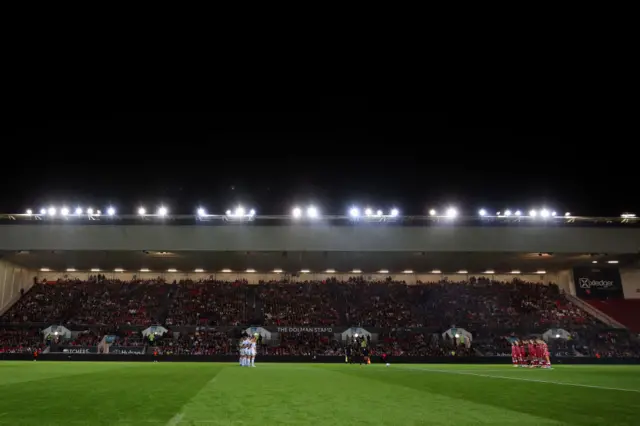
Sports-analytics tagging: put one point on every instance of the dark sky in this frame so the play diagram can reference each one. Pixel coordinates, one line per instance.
(333, 152)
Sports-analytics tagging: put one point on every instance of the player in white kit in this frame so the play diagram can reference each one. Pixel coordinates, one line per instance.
(252, 351)
(244, 351)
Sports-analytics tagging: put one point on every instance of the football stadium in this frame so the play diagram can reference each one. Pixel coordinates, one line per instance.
(517, 317)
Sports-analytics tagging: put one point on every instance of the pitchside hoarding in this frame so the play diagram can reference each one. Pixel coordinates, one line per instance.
(598, 283)
(113, 350)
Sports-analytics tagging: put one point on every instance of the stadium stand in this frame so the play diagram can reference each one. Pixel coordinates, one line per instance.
(626, 311)
(411, 318)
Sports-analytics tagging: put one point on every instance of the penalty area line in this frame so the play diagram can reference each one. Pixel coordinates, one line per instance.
(551, 382)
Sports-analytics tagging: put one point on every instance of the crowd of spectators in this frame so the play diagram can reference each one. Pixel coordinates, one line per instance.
(115, 302)
(306, 344)
(21, 340)
(302, 303)
(209, 302)
(476, 304)
(203, 342)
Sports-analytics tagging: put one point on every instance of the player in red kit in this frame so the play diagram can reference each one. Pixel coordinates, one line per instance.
(546, 361)
(521, 355)
(514, 353)
(531, 349)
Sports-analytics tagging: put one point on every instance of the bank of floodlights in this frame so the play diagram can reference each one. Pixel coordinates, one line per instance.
(310, 213)
(372, 215)
(240, 214)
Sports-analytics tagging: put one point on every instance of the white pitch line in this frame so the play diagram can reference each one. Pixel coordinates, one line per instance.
(521, 379)
(175, 420)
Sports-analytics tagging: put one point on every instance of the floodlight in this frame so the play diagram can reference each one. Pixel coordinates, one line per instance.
(296, 212)
(162, 211)
(354, 212)
(312, 212)
(142, 211)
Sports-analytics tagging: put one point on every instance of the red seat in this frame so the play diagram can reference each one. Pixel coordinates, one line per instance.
(625, 311)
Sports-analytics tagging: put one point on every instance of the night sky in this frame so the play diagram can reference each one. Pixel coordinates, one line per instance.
(332, 152)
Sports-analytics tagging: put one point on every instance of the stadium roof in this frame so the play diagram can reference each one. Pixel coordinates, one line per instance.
(266, 220)
(291, 261)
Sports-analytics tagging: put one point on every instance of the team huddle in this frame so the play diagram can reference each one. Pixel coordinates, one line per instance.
(248, 351)
(530, 353)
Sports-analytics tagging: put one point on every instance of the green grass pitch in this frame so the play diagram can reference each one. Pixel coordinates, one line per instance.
(101, 393)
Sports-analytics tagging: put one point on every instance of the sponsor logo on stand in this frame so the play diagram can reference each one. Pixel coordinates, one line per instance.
(76, 351)
(305, 329)
(587, 283)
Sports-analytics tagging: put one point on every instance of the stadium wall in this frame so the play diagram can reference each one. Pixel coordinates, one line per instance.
(630, 283)
(321, 237)
(12, 279)
(562, 280)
